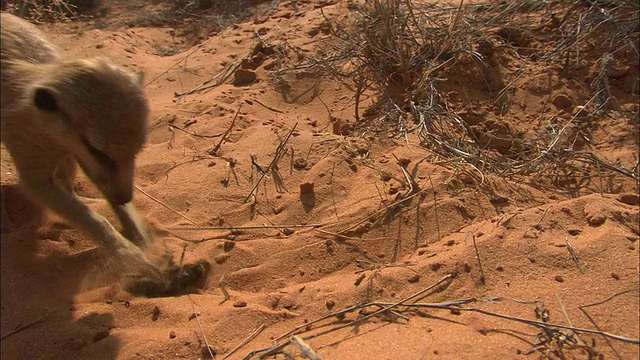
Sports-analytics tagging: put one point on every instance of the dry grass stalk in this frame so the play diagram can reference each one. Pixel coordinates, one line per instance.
(251, 336)
(553, 338)
(278, 348)
(279, 152)
(28, 324)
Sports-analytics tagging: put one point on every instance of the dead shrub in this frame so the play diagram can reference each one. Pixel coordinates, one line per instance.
(402, 53)
(50, 10)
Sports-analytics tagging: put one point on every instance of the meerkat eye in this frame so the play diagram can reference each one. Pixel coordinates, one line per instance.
(45, 101)
(100, 156)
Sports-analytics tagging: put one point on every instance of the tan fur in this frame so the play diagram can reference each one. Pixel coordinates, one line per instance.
(58, 114)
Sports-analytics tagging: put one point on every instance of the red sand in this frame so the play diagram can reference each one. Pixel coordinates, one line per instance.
(283, 279)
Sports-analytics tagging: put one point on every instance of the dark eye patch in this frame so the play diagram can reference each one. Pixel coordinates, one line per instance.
(101, 157)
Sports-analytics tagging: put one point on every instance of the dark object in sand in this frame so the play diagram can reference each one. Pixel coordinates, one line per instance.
(178, 280)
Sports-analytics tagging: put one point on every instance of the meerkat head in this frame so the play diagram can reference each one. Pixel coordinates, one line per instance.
(98, 112)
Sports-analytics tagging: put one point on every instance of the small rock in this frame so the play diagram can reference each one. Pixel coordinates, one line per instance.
(329, 304)
(559, 278)
(615, 276)
(385, 176)
(629, 199)
(221, 258)
(228, 245)
(340, 126)
(413, 278)
(239, 304)
(155, 315)
(271, 65)
(287, 231)
(499, 200)
(77, 343)
(172, 334)
(207, 353)
(404, 162)
(561, 101)
(100, 335)
(435, 266)
(306, 188)
(596, 220)
(299, 163)
(244, 77)
(450, 242)
(499, 268)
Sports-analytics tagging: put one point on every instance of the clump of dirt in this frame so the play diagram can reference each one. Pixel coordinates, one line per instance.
(177, 280)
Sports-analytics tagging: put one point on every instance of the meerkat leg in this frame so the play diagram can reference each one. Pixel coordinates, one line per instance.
(56, 193)
(134, 226)
(96, 226)
(64, 175)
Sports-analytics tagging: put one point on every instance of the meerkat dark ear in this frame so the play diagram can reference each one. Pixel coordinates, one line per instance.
(44, 100)
(57, 120)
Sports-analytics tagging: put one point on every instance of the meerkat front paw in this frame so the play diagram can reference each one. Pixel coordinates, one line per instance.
(135, 263)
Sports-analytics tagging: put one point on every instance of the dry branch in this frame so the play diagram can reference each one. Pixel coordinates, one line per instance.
(276, 157)
(277, 348)
(28, 325)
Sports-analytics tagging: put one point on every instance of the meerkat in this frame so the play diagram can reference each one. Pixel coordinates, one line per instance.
(58, 114)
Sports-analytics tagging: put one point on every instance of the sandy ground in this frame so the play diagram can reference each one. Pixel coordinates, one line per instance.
(503, 246)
